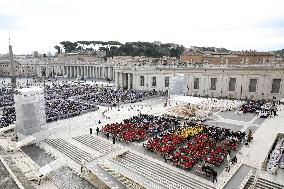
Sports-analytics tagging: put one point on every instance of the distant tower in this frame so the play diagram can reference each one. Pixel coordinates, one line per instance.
(12, 68)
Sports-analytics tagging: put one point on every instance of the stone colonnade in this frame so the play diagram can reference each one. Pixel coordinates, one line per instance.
(124, 80)
(88, 71)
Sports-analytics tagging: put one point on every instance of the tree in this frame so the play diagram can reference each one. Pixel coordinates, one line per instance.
(69, 46)
(115, 48)
(57, 48)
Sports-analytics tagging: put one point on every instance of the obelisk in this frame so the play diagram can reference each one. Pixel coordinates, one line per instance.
(12, 67)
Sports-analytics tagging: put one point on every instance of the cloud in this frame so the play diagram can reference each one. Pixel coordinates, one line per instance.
(9, 22)
(39, 25)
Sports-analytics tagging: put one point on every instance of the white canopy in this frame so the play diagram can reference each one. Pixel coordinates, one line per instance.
(186, 99)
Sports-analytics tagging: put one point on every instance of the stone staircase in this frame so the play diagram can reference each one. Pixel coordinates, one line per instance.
(124, 180)
(96, 143)
(262, 184)
(160, 174)
(65, 178)
(70, 150)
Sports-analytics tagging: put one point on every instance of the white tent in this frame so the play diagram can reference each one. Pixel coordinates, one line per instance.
(186, 99)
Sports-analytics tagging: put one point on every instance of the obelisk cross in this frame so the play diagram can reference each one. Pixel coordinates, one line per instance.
(12, 67)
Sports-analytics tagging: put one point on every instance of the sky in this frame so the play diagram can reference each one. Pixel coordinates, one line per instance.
(39, 25)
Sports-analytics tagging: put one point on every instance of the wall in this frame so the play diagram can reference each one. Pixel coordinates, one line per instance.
(228, 59)
(263, 75)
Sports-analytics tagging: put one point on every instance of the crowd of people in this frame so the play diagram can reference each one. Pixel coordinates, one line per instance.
(276, 157)
(213, 104)
(95, 94)
(259, 107)
(195, 143)
(111, 97)
(61, 109)
(65, 90)
(8, 117)
(59, 98)
(6, 97)
(251, 106)
(6, 100)
(138, 128)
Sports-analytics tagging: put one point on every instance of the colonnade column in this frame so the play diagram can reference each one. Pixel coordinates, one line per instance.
(99, 73)
(134, 77)
(117, 80)
(73, 71)
(88, 71)
(93, 72)
(114, 76)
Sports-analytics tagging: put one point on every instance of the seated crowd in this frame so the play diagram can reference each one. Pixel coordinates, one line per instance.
(7, 100)
(64, 90)
(261, 108)
(276, 156)
(5, 91)
(213, 104)
(56, 109)
(6, 97)
(195, 142)
(251, 106)
(114, 97)
(61, 109)
(8, 117)
(138, 128)
(94, 93)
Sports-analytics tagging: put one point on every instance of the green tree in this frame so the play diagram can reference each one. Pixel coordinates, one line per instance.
(69, 46)
(57, 48)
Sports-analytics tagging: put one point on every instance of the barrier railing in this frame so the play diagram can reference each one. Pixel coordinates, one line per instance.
(256, 176)
(246, 179)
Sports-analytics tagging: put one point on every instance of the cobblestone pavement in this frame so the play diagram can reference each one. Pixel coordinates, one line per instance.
(65, 178)
(37, 154)
(6, 181)
(252, 155)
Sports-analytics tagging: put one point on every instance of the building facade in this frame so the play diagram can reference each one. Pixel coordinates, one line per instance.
(34, 67)
(249, 58)
(262, 81)
(239, 82)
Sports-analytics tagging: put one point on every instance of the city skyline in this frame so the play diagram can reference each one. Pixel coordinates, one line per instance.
(235, 25)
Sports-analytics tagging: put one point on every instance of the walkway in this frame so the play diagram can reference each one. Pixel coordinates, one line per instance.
(256, 152)
(238, 177)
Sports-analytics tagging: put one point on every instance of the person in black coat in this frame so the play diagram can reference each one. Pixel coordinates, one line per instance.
(113, 139)
(98, 130)
(214, 175)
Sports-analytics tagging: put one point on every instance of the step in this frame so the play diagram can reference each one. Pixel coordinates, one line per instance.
(157, 172)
